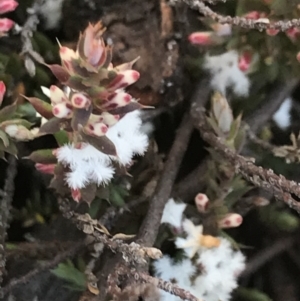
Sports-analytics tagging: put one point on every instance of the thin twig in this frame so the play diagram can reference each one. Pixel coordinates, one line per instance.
(5, 206)
(48, 265)
(112, 214)
(165, 285)
(260, 24)
(132, 253)
(260, 177)
(27, 31)
(262, 114)
(150, 226)
(267, 255)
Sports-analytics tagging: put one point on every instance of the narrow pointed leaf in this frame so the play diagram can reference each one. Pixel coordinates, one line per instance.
(11, 148)
(52, 126)
(126, 109)
(75, 82)
(103, 144)
(42, 107)
(88, 193)
(17, 121)
(61, 137)
(4, 138)
(44, 156)
(80, 117)
(59, 72)
(7, 112)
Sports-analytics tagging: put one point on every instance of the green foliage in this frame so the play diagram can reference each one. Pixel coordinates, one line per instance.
(247, 294)
(67, 271)
(279, 218)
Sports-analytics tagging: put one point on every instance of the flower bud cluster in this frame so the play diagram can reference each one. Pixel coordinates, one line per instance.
(99, 117)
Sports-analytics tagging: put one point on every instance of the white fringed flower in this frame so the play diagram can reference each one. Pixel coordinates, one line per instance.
(172, 213)
(225, 73)
(216, 277)
(282, 117)
(128, 138)
(89, 165)
(192, 243)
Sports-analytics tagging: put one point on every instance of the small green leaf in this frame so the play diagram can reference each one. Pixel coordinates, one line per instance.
(11, 148)
(247, 294)
(80, 117)
(61, 137)
(4, 138)
(42, 107)
(52, 126)
(7, 112)
(17, 121)
(44, 156)
(116, 198)
(126, 109)
(103, 144)
(70, 273)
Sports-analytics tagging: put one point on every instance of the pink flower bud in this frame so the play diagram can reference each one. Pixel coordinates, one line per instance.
(62, 110)
(45, 168)
(253, 15)
(97, 129)
(245, 61)
(2, 91)
(117, 99)
(272, 32)
(67, 54)
(76, 194)
(231, 220)
(57, 95)
(6, 24)
(7, 6)
(293, 33)
(124, 79)
(201, 201)
(80, 101)
(19, 132)
(201, 38)
(110, 119)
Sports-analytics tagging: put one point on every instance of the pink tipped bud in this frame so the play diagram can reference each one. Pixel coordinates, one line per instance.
(231, 220)
(201, 38)
(293, 33)
(57, 95)
(7, 6)
(62, 110)
(245, 61)
(253, 15)
(45, 168)
(6, 24)
(123, 79)
(2, 91)
(118, 99)
(80, 101)
(110, 119)
(98, 129)
(272, 32)
(67, 54)
(19, 132)
(76, 194)
(201, 201)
